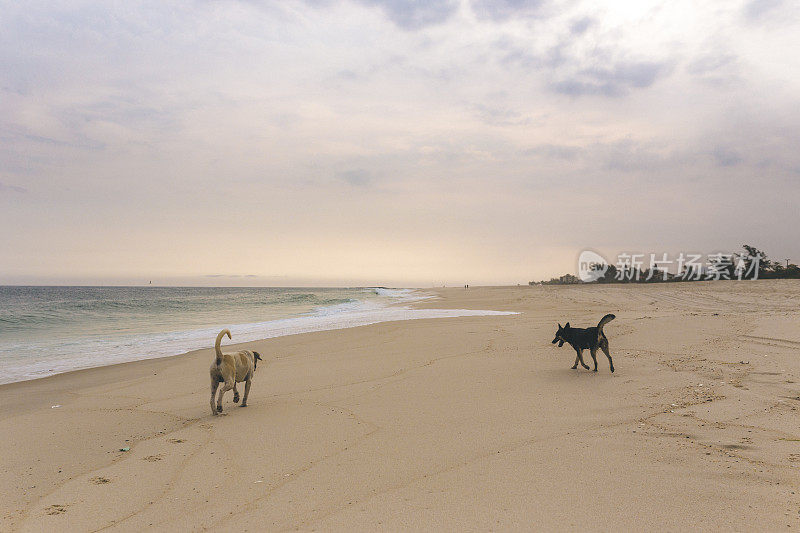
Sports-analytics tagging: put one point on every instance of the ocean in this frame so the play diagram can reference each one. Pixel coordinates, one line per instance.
(49, 330)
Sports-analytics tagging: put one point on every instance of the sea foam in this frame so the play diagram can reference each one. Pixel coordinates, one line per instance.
(47, 356)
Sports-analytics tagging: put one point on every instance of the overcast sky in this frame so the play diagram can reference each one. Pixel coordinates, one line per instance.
(389, 142)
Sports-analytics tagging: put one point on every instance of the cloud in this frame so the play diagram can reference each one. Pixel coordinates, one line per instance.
(615, 81)
(757, 9)
(555, 151)
(501, 10)
(495, 115)
(726, 157)
(573, 61)
(356, 177)
(12, 188)
(710, 63)
(715, 69)
(579, 26)
(415, 14)
(516, 54)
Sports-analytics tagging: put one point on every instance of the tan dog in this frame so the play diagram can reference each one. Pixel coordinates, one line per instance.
(231, 368)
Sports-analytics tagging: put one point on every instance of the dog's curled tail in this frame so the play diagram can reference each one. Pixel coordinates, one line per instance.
(219, 340)
(603, 321)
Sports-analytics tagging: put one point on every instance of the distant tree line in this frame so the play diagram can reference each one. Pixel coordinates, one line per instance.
(566, 279)
(752, 263)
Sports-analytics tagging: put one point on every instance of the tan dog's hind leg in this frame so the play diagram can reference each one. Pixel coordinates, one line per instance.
(235, 394)
(228, 386)
(214, 386)
(246, 392)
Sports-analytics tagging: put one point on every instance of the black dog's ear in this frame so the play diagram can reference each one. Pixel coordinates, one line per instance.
(559, 326)
(567, 326)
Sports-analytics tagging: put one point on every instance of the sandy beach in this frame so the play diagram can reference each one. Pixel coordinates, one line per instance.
(453, 424)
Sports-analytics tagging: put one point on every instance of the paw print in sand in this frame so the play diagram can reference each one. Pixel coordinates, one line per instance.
(56, 509)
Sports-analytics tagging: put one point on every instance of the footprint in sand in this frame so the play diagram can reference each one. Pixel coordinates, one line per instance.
(736, 447)
(152, 458)
(99, 480)
(176, 441)
(56, 509)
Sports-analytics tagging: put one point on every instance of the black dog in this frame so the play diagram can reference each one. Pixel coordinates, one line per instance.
(581, 339)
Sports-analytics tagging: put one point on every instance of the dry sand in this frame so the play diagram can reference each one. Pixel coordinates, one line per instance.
(472, 423)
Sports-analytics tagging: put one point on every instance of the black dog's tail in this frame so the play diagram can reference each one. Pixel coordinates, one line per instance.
(603, 321)
(219, 340)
